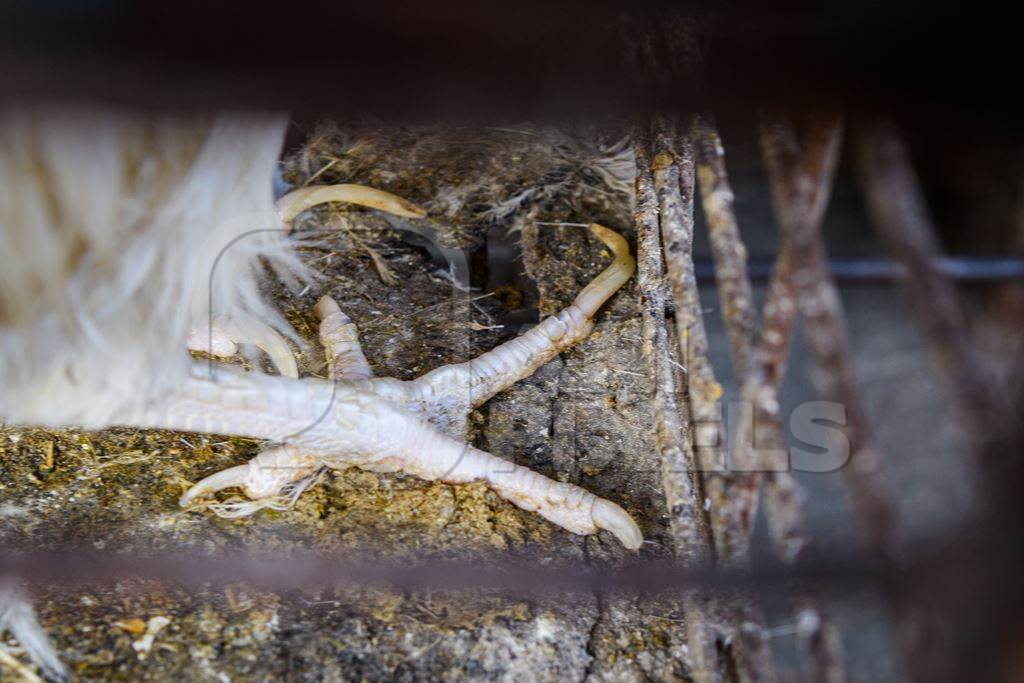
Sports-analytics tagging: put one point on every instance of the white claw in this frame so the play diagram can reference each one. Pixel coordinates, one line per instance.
(221, 336)
(611, 278)
(233, 476)
(294, 203)
(263, 477)
(212, 340)
(267, 339)
(610, 517)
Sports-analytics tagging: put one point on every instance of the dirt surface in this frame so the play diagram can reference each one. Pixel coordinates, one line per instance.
(583, 418)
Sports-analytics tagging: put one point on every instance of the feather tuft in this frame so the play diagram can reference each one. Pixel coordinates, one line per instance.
(119, 232)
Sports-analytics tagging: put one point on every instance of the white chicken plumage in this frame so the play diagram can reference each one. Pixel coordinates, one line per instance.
(110, 226)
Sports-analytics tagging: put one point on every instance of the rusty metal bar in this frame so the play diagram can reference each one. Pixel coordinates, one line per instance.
(820, 307)
(800, 179)
(673, 184)
(900, 215)
(763, 432)
(673, 434)
(759, 358)
(819, 643)
(691, 536)
(674, 181)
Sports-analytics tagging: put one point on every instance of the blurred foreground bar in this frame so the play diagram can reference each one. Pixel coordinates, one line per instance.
(528, 59)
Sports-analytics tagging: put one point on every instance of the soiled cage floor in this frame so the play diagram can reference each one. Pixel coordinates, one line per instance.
(583, 418)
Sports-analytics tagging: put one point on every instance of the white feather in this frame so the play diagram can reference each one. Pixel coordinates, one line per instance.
(118, 232)
(18, 617)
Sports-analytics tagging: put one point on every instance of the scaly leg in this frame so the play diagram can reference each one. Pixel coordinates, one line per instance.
(379, 424)
(478, 380)
(265, 477)
(362, 430)
(431, 454)
(340, 339)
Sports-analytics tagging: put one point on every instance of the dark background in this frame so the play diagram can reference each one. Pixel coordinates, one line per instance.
(941, 63)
